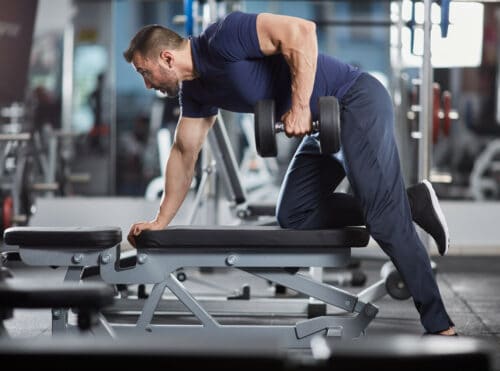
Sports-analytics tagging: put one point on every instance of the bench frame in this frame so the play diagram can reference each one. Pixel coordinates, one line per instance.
(157, 266)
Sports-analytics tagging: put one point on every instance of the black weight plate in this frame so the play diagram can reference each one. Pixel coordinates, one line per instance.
(358, 278)
(395, 286)
(27, 196)
(265, 137)
(329, 119)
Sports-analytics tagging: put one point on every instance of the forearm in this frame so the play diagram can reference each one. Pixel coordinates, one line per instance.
(301, 54)
(178, 177)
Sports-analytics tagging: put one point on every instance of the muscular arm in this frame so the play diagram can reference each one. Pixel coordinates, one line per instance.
(295, 38)
(189, 137)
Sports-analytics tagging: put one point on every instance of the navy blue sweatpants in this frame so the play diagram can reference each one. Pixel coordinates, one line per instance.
(370, 159)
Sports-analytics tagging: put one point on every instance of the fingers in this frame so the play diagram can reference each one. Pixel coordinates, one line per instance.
(289, 132)
(131, 237)
(131, 240)
(297, 125)
(135, 230)
(295, 131)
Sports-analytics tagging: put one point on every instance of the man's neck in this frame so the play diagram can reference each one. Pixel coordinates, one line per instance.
(187, 58)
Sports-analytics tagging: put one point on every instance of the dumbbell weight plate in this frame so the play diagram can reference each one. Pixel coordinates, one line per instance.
(27, 196)
(265, 136)
(329, 118)
(395, 286)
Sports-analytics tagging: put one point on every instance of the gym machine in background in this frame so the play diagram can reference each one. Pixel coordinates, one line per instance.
(17, 18)
(33, 160)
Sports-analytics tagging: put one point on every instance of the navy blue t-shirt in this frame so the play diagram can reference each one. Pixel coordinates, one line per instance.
(234, 73)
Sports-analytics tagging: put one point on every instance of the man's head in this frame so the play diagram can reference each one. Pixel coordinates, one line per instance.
(152, 51)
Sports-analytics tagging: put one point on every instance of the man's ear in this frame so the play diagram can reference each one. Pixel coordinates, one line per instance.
(167, 57)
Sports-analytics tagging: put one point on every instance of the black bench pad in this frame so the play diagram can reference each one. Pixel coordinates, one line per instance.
(28, 293)
(251, 237)
(96, 237)
(189, 236)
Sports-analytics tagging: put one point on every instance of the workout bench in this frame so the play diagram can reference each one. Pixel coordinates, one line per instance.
(271, 253)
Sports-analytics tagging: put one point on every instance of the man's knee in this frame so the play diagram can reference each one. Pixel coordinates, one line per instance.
(284, 216)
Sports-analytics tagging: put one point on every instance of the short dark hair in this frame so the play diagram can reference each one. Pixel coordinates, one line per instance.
(150, 38)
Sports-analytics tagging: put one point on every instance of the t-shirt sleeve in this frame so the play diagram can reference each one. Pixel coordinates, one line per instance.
(236, 37)
(193, 108)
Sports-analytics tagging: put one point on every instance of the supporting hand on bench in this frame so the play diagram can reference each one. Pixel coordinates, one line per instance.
(137, 228)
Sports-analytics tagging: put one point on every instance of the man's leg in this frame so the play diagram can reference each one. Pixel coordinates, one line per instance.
(373, 169)
(307, 199)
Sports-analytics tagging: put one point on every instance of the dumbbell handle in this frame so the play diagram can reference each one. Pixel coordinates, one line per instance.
(279, 127)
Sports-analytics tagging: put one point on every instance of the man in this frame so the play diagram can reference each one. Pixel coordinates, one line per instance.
(247, 57)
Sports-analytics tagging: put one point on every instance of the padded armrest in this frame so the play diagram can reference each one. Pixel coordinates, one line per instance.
(24, 293)
(237, 237)
(90, 237)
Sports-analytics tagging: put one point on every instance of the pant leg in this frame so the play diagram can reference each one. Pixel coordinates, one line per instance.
(307, 199)
(373, 169)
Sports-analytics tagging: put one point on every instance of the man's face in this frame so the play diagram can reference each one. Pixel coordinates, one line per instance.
(157, 74)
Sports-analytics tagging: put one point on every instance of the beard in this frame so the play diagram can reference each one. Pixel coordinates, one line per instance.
(172, 90)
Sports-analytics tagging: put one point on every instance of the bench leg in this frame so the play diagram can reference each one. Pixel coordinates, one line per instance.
(150, 305)
(59, 315)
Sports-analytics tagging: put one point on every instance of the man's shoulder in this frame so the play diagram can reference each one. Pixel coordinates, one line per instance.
(234, 37)
(228, 19)
(234, 15)
(228, 22)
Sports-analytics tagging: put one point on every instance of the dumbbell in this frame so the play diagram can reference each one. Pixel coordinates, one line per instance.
(266, 126)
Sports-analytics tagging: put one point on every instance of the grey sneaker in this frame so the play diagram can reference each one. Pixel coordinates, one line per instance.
(428, 215)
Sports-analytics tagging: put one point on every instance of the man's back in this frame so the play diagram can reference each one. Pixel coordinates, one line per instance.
(234, 74)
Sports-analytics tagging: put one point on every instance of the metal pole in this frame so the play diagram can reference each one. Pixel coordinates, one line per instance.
(67, 78)
(113, 130)
(426, 101)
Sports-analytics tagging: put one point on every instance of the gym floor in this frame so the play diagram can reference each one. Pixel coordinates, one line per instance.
(470, 287)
